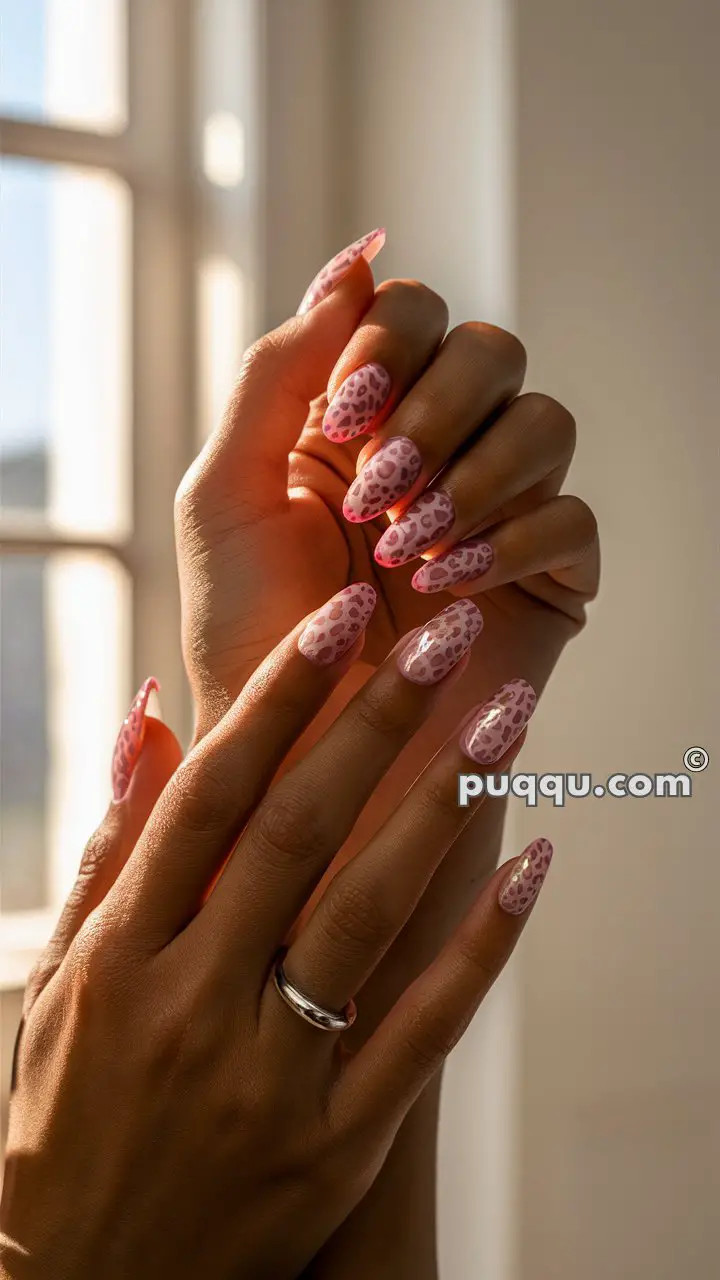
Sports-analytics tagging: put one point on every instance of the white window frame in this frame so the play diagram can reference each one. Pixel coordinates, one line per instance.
(178, 220)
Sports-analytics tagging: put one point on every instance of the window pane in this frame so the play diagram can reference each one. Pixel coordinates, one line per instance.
(64, 61)
(64, 318)
(64, 689)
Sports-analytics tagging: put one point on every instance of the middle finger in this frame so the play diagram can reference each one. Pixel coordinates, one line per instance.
(477, 370)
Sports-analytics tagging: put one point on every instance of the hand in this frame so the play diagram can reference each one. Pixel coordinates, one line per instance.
(259, 547)
(171, 1111)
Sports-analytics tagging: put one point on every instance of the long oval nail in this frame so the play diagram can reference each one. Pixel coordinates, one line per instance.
(357, 403)
(336, 627)
(418, 528)
(499, 722)
(130, 739)
(390, 473)
(439, 645)
(527, 877)
(463, 563)
(332, 273)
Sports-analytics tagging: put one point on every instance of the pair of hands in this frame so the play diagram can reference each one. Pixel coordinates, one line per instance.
(257, 550)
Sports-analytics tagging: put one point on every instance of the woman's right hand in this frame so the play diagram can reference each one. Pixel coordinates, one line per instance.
(173, 1116)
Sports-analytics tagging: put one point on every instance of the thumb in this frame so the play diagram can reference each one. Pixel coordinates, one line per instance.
(246, 458)
(150, 753)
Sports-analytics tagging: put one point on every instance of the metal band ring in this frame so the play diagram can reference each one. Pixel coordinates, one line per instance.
(307, 1009)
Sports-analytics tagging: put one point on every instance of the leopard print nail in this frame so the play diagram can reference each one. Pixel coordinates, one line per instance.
(335, 627)
(389, 474)
(326, 279)
(463, 563)
(499, 722)
(130, 740)
(422, 525)
(526, 878)
(441, 643)
(355, 406)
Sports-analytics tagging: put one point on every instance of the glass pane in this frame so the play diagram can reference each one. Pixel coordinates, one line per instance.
(64, 689)
(64, 61)
(64, 320)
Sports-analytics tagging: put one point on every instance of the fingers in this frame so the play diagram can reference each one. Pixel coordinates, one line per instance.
(478, 369)
(244, 465)
(387, 353)
(210, 798)
(156, 754)
(386, 1076)
(369, 901)
(557, 538)
(306, 818)
(532, 440)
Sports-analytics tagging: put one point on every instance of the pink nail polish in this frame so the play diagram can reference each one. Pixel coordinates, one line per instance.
(336, 627)
(526, 878)
(418, 528)
(324, 283)
(463, 563)
(355, 406)
(441, 643)
(129, 740)
(499, 722)
(389, 474)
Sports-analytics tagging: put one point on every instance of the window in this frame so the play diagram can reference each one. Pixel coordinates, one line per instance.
(128, 264)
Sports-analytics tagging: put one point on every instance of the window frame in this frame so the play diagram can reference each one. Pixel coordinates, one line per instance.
(177, 217)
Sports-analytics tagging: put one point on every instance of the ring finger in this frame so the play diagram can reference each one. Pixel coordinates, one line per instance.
(478, 369)
(532, 441)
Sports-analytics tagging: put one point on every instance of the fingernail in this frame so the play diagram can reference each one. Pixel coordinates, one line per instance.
(130, 740)
(390, 473)
(324, 283)
(438, 646)
(499, 722)
(416, 530)
(338, 624)
(462, 563)
(526, 878)
(355, 406)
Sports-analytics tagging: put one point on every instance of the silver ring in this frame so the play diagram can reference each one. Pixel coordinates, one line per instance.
(323, 1019)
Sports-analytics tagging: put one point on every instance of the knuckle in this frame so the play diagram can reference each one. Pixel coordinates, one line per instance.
(581, 518)
(287, 829)
(549, 416)
(418, 296)
(501, 347)
(428, 1046)
(199, 795)
(383, 716)
(439, 797)
(353, 917)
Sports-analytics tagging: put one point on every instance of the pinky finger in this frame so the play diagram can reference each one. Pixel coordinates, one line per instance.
(558, 538)
(416, 1037)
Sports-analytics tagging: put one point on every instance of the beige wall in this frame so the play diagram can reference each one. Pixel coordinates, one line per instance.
(607, 1031)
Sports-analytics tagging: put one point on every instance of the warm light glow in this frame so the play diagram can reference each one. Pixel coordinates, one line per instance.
(88, 608)
(224, 149)
(86, 71)
(221, 338)
(89, 376)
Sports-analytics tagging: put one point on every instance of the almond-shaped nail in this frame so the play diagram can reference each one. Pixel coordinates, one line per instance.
(390, 473)
(527, 877)
(356, 405)
(335, 627)
(463, 563)
(332, 273)
(497, 724)
(441, 643)
(130, 739)
(418, 528)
